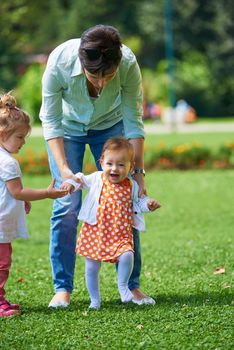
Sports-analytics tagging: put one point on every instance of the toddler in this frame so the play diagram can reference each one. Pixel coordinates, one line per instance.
(14, 199)
(109, 211)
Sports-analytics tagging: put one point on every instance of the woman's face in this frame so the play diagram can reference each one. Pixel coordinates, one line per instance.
(99, 80)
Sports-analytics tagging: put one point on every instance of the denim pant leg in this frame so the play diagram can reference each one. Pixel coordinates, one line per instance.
(64, 221)
(117, 130)
(65, 210)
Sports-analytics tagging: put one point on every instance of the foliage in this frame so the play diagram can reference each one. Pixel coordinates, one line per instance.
(32, 163)
(135, 43)
(193, 83)
(189, 156)
(225, 155)
(155, 84)
(29, 91)
(184, 156)
(11, 42)
(200, 28)
(186, 240)
(203, 41)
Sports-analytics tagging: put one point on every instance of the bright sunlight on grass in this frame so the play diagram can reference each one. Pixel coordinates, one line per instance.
(187, 239)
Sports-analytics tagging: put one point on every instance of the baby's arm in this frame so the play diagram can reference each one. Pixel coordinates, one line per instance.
(144, 204)
(153, 204)
(71, 185)
(82, 182)
(17, 191)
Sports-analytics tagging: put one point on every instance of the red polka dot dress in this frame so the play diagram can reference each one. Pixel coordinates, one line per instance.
(112, 235)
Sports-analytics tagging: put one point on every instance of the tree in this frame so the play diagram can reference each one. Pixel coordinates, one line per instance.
(199, 27)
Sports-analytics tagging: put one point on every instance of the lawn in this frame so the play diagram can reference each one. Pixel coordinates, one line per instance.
(212, 140)
(187, 239)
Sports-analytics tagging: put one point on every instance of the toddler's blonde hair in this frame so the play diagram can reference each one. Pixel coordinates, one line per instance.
(117, 144)
(11, 117)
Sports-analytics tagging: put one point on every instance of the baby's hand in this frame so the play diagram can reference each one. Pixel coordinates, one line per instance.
(153, 204)
(71, 185)
(27, 207)
(54, 193)
(67, 187)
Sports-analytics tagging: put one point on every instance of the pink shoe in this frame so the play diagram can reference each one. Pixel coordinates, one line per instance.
(6, 309)
(14, 306)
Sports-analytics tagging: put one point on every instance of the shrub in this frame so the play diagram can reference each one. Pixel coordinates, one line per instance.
(187, 156)
(28, 91)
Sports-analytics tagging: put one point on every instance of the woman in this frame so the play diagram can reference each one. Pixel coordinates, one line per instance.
(91, 91)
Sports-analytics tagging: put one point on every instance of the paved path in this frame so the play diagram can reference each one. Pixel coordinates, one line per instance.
(189, 128)
(157, 128)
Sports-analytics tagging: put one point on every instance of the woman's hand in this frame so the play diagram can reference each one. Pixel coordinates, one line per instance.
(70, 185)
(67, 174)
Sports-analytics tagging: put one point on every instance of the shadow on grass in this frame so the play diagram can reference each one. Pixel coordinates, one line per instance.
(82, 307)
(166, 300)
(203, 298)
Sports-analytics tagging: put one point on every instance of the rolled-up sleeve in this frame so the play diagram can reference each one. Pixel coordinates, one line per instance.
(51, 109)
(140, 204)
(132, 102)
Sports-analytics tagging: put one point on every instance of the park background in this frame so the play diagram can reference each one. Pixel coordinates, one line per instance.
(185, 49)
(191, 39)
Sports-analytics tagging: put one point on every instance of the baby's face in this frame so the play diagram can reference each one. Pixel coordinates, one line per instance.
(116, 165)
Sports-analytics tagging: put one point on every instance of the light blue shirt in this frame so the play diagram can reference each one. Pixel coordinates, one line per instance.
(67, 107)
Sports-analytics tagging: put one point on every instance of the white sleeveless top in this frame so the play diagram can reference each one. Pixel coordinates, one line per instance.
(12, 212)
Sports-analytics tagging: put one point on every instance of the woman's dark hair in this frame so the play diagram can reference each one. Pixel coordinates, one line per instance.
(100, 49)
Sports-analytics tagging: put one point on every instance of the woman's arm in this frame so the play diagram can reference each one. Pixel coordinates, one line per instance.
(17, 191)
(138, 145)
(131, 94)
(131, 99)
(51, 116)
(57, 148)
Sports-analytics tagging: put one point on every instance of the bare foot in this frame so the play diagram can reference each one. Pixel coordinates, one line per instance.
(60, 299)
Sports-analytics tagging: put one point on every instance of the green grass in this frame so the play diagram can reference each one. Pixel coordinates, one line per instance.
(212, 140)
(187, 239)
(226, 119)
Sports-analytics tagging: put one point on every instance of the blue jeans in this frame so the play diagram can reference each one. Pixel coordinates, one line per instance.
(65, 210)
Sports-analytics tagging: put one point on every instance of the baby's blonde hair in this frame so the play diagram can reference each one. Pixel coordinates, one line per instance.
(11, 117)
(117, 144)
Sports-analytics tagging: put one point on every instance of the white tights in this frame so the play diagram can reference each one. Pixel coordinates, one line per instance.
(92, 267)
